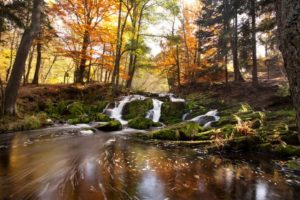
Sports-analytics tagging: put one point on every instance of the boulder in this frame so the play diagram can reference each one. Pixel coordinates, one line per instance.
(137, 108)
(181, 131)
(172, 112)
(113, 125)
(143, 123)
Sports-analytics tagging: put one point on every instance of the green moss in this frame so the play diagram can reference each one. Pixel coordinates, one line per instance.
(100, 117)
(281, 114)
(82, 119)
(286, 150)
(140, 123)
(138, 108)
(293, 164)
(244, 143)
(182, 131)
(172, 112)
(113, 125)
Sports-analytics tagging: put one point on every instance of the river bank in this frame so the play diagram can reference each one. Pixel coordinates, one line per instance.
(260, 120)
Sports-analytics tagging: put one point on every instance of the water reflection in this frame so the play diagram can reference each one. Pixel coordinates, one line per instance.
(60, 164)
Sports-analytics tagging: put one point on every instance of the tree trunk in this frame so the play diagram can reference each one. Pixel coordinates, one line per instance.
(178, 65)
(82, 66)
(118, 53)
(288, 18)
(38, 64)
(50, 68)
(31, 55)
(12, 44)
(237, 73)
(253, 32)
(11, 91)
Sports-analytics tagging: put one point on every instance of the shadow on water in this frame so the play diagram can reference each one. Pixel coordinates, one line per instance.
(59, 163)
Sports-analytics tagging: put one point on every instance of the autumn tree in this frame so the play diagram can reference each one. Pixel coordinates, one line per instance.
(83, 21)
(30, 33)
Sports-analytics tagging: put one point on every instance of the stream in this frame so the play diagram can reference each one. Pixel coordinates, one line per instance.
(63, 163)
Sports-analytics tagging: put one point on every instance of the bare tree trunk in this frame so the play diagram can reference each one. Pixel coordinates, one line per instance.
(11, 54)
(11, 91)
(237, 73)
(31, 55)
(253, 32)
(178, 65)
(38, 64)
(288, 18)
(50, 68)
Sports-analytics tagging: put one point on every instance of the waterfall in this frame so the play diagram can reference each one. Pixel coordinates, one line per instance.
(207, 119)
(116, 112)
(172, 97)
(155, 113)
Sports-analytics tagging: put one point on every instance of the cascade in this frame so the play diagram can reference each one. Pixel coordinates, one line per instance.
(155, 113)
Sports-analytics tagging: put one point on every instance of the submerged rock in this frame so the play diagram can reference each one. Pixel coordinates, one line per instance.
(113, 125)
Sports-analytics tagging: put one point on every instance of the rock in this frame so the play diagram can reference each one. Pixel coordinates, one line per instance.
(140, 123)
(83, 119)
(86, 132)
(137, 108)
(113, 125)
(182, 131)
(100, 117)
(172, 112)
(205, 119)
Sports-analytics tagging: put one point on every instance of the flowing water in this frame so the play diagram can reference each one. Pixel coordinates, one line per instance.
(65, 163)
(155, 113)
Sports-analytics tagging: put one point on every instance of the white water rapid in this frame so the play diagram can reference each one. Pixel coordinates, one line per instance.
(155, 113)
(172, 97)
(116, 112)
(207, 119)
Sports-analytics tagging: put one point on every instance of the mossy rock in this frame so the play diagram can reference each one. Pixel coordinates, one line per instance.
(286, 150)
(113, 125)
(245, 143)
(182, 131)
(225, 120)
(137, 108)
(279, 149)
(100, 117)
(82, 119)
(140, 123)
(172, 112)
